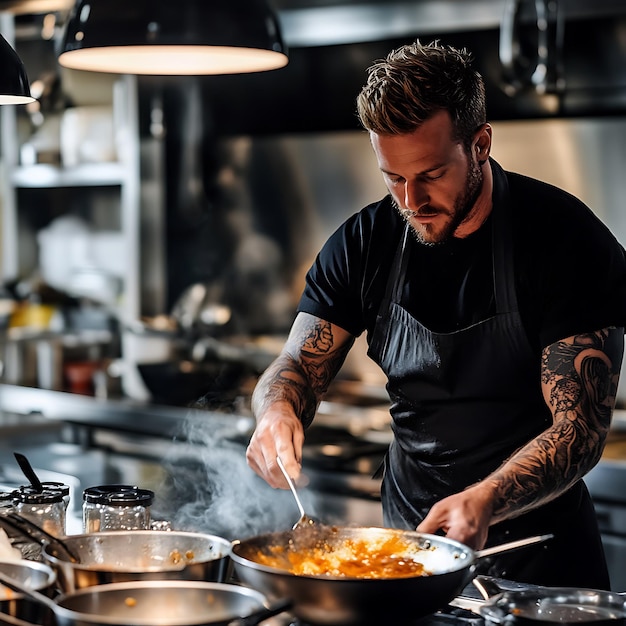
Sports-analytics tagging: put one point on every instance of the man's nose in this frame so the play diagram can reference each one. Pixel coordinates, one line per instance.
(415, 196)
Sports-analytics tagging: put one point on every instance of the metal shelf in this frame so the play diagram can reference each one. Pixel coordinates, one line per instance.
(86, 175)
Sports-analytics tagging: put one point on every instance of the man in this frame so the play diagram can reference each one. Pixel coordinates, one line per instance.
(494, 303)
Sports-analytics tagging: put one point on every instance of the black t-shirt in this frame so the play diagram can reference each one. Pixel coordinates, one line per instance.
(570, 271)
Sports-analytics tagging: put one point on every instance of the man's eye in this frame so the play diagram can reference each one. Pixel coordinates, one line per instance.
(434, 176)
(394, 180)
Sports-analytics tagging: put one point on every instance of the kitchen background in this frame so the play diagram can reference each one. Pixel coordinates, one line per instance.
(156, 231)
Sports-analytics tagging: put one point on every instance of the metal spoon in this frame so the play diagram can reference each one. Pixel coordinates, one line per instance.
(304, 520)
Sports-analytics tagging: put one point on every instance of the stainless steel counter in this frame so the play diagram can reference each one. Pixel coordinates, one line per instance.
(123, 414)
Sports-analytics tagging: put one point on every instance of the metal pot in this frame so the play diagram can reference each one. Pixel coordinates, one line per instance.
(121, 556)
(343, 601)
(157, 603)
(565, 605)
(37, 576)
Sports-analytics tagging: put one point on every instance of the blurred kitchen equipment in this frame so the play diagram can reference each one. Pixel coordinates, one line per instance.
(75, 260)
(197, 309)
(537, 605)
(351, 601)
(87, 135)
(37, 576)
(140, 555)
(304, 520)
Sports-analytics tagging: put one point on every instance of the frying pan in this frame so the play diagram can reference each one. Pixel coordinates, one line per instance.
(156, 603)
(122, 556)
(539, 605)
(343, 601)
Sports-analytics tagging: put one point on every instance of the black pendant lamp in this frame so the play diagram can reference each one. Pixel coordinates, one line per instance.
(14, 86)
(173, 37)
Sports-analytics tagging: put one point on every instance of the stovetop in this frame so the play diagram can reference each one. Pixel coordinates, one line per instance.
(449, 616)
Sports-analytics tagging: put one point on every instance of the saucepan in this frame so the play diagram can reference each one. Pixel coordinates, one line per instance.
(156, 603)
(138, 555)
(535, 605)
(284, 565)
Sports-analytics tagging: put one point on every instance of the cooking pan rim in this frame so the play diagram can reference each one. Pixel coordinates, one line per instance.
(467, 556)
(510, 597)
(106, 620)
(44, 568)
(225, 552)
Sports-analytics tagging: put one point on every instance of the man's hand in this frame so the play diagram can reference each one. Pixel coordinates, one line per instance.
(464, 516)
(278, 433)
(288, 393)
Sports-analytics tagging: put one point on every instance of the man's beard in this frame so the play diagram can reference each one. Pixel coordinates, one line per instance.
(462, 207)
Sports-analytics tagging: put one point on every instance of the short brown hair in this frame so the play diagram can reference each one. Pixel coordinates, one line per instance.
(416, 81)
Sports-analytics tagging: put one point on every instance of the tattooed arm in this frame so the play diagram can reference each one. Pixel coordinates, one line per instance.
(287, 395)
(579, 377)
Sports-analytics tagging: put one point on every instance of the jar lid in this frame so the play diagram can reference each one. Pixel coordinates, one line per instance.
(29, 495)
(95, 494)
(62, 487)
(136, 497)
(5, 496)
(119, 495)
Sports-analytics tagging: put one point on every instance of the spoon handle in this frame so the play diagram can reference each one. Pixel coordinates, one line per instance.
(291, 485)
(28, 470)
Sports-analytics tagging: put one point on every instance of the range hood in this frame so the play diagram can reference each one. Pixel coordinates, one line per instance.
(332, 43)
(356, 22)
(309, 23)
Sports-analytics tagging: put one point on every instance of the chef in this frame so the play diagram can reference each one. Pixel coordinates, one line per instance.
(494, 303)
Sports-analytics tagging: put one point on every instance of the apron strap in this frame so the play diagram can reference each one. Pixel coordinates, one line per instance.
(395, 285)
(503, 259)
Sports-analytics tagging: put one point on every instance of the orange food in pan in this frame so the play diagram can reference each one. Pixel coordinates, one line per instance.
(352, 558)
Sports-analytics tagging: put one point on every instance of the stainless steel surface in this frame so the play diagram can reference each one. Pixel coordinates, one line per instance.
(123, 556)
(120, 414)
(154, 603)
(150, 603)
(311, 23)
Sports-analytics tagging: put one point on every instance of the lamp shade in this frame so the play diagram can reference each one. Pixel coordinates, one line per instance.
(26, 7)
(173, 37)
(14, 87)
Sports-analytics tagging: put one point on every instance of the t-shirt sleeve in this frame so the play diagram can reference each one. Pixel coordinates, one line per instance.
(331, 289)
(584, 277)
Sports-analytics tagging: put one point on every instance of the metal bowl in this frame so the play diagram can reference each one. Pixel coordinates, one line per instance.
(37, 576)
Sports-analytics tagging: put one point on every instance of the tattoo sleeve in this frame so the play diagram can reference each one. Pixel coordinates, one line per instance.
(579, 378)
(312, 356)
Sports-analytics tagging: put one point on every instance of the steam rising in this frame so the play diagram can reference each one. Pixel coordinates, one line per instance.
(213, 490)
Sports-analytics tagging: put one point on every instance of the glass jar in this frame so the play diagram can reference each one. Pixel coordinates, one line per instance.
(45, 508)
(58, 486)
(116, 507)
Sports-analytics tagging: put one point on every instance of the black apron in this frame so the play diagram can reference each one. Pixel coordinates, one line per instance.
(463, 402)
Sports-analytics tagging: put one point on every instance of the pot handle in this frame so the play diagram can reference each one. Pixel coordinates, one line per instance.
(266, 612)
(487, 587)
(512, 545)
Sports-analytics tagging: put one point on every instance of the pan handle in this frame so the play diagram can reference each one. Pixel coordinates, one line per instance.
(274, 608)
(512, 545)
